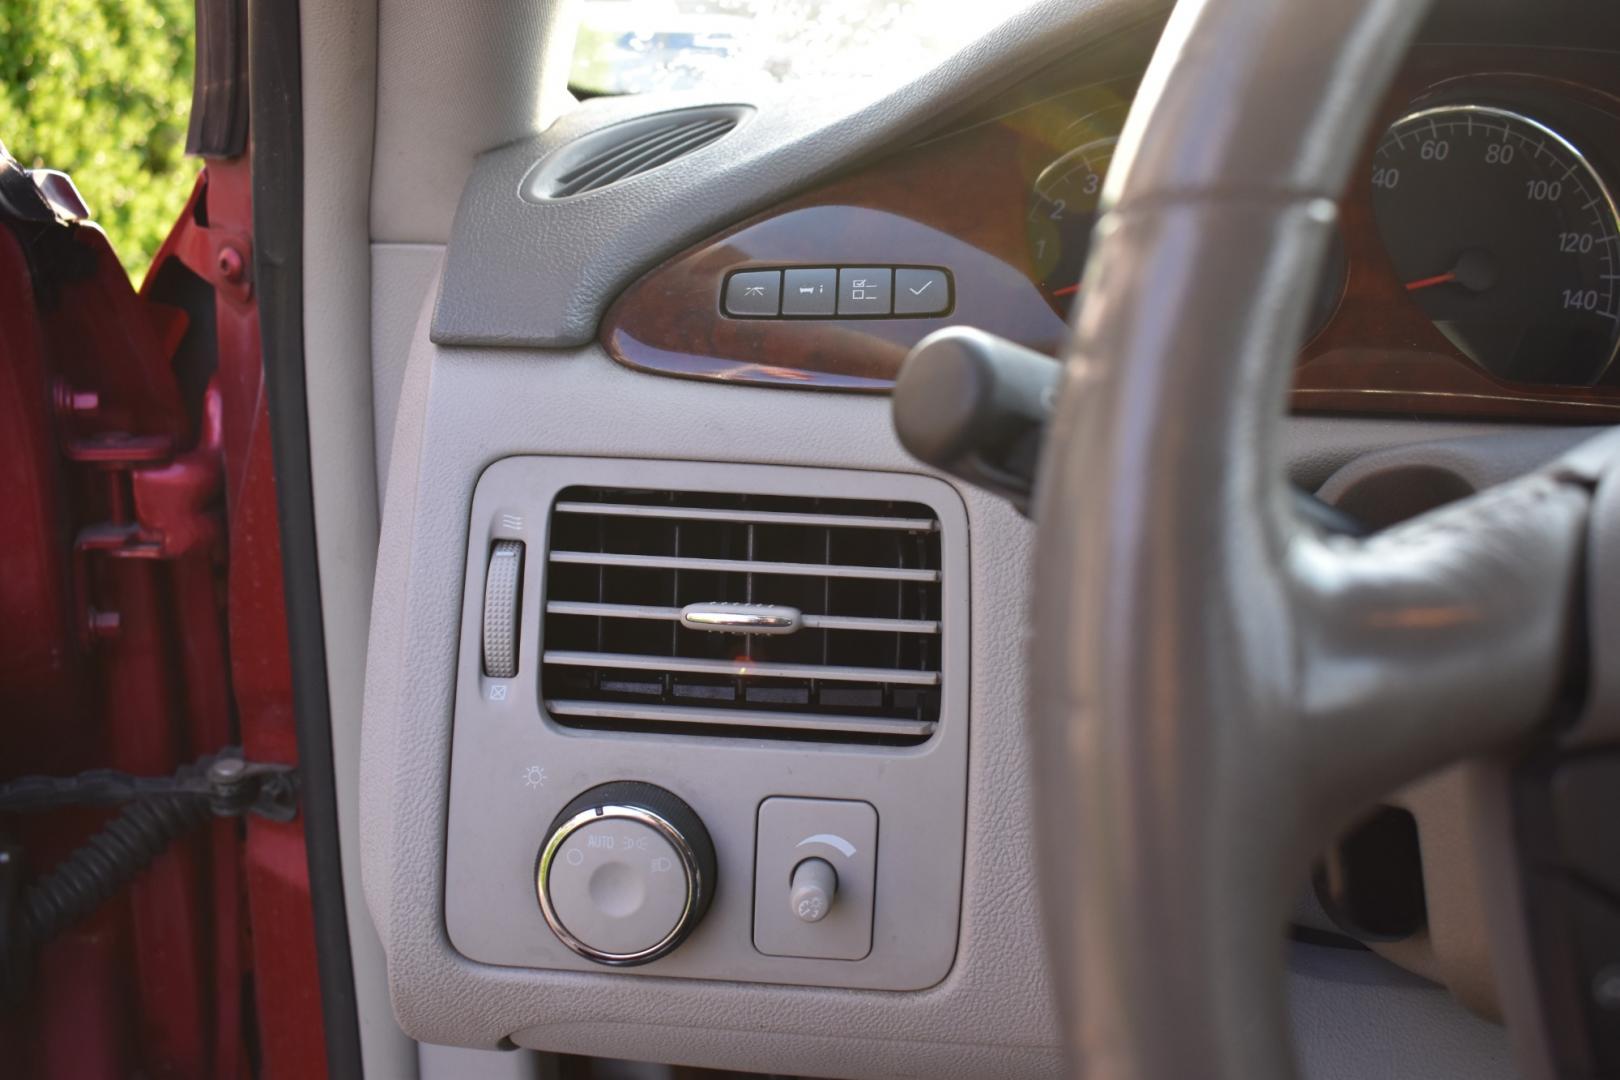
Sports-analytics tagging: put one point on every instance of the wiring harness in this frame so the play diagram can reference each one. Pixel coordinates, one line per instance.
(156, 812)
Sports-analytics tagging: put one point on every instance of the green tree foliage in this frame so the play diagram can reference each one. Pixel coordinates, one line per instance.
(101, 89)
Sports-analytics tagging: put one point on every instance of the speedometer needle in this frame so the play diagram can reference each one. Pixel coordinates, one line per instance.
(1438, 279)
(1067, 290)
(1474, 270)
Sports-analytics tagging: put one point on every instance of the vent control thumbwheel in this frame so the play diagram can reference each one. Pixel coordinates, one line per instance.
(626, 872)
(502, 590)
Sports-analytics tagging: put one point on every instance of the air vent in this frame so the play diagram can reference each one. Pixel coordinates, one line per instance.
(840, 599)
(628, 149)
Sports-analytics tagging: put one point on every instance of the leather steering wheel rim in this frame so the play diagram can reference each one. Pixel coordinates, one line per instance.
(1218, 687)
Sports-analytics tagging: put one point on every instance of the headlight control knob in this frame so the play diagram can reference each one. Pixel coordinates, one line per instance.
(626, 872)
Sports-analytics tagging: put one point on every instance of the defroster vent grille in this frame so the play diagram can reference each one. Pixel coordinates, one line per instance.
(842, 597)
(628, 149)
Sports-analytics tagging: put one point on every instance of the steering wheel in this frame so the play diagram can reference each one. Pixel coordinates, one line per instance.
(1220, 687)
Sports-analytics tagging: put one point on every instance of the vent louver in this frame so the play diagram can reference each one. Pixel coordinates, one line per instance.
(629, 149)
(859, 580)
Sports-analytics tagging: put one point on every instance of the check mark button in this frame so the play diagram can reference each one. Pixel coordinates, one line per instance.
(921, 292)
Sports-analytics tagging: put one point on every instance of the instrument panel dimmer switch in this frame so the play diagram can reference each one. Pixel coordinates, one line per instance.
(815, 878)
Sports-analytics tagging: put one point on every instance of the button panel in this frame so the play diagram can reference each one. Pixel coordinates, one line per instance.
(845, 292)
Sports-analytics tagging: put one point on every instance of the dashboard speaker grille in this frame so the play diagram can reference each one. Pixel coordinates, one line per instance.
(820, 618)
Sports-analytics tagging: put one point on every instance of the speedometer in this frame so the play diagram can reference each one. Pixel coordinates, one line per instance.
(1506, 236)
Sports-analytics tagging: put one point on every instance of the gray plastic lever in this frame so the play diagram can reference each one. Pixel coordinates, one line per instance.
(976, 406)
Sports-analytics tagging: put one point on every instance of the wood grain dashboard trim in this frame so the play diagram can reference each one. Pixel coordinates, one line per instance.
(897, 212)
(961, 201)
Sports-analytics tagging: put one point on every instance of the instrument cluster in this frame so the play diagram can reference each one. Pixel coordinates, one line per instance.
(1492, 219)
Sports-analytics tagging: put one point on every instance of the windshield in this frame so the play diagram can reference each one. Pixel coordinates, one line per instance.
(636, 46)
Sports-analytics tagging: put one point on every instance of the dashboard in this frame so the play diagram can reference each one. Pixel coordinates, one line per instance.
(566, 526)
(1474, 273)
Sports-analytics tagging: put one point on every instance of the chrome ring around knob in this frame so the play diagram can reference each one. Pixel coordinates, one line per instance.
(696, 869)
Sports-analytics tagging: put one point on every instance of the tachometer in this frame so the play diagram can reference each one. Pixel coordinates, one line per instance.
(1063, 210)
(1061, 213)
(1506, 236)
